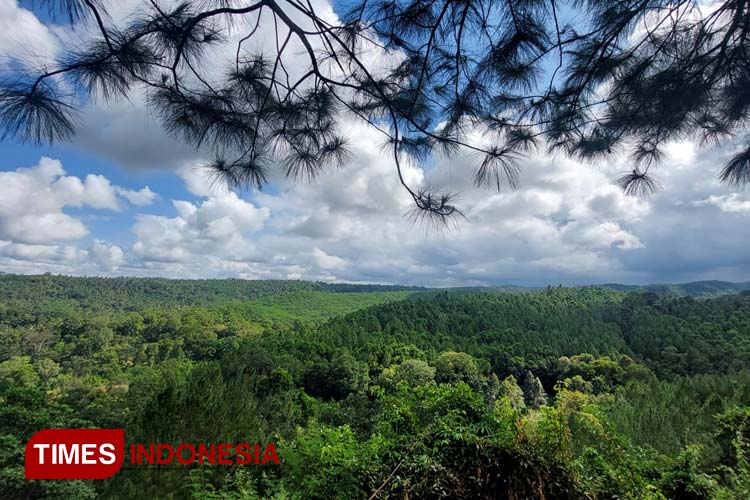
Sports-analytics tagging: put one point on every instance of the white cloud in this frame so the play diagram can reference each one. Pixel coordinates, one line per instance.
(350, 225)
(159, 238)
(216, 228)
(327, 262)
(25, 258)
(199, 183)
(32, 201)
(22, 258)
(33, 218)
(139, 198)
(732, 202)
(22, 36)
(567, 222)
(601, 236)
(42, 228)
(99, 193)
(36, 253)
(106, 256)
(682, 152)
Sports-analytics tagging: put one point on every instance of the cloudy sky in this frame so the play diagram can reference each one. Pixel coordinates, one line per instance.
(124, 199)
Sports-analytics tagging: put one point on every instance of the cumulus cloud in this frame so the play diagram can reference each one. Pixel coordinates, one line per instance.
(141, 198)
(32, 202)
(567, 222)
(39, 253)
(106, 256)
(33, 218)
(351, 225)
(217, 228)
(732, 202)
(32, 199)
(99, 258)
(198, 182)
(328, 262)
(22, 36)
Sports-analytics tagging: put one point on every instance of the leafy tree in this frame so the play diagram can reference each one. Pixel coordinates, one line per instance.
(414, 372)
(512, 392)
(335, 379)
(734, 434)
(18, 373)
(621, 76)
(452, 367)
(686, 481)
(533, 391)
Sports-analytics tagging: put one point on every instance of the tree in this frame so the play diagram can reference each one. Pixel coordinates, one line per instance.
(685, 479)
(336, 379)
(625, 75)
(18, 372)
(534, 391)
(415, 372)
(734, 434)
(38, 339)
(453, 367)
(510, 390)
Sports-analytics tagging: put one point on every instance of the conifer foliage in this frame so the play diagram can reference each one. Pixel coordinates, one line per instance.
(494, 79)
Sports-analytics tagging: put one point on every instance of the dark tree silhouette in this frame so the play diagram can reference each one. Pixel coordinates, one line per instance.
(496, 78)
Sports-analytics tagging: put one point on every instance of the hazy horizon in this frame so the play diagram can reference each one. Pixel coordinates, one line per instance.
(395, 284)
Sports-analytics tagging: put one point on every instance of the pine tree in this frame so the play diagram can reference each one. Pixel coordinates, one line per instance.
(510, 390)
(534, 391)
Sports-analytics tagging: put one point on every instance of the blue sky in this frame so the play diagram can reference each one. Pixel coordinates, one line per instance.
(567, 222)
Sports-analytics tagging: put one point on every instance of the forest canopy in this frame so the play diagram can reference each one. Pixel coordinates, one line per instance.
(555, 393)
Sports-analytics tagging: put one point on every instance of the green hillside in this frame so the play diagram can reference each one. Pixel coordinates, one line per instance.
(308, 305)
(563, 393)
(40, 295)
(692, 289)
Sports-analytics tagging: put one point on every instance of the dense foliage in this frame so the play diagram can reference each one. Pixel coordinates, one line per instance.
(42, 294)
(693, 289)
(561, 393)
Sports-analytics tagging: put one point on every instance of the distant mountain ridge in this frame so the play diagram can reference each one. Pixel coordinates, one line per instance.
(131, 292)
(709, 288)
(693, 288)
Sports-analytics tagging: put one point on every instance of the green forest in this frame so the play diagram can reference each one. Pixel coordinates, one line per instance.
(372, 391)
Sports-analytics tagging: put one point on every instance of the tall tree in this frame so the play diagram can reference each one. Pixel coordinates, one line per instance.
(493, 78)
(534, 391)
